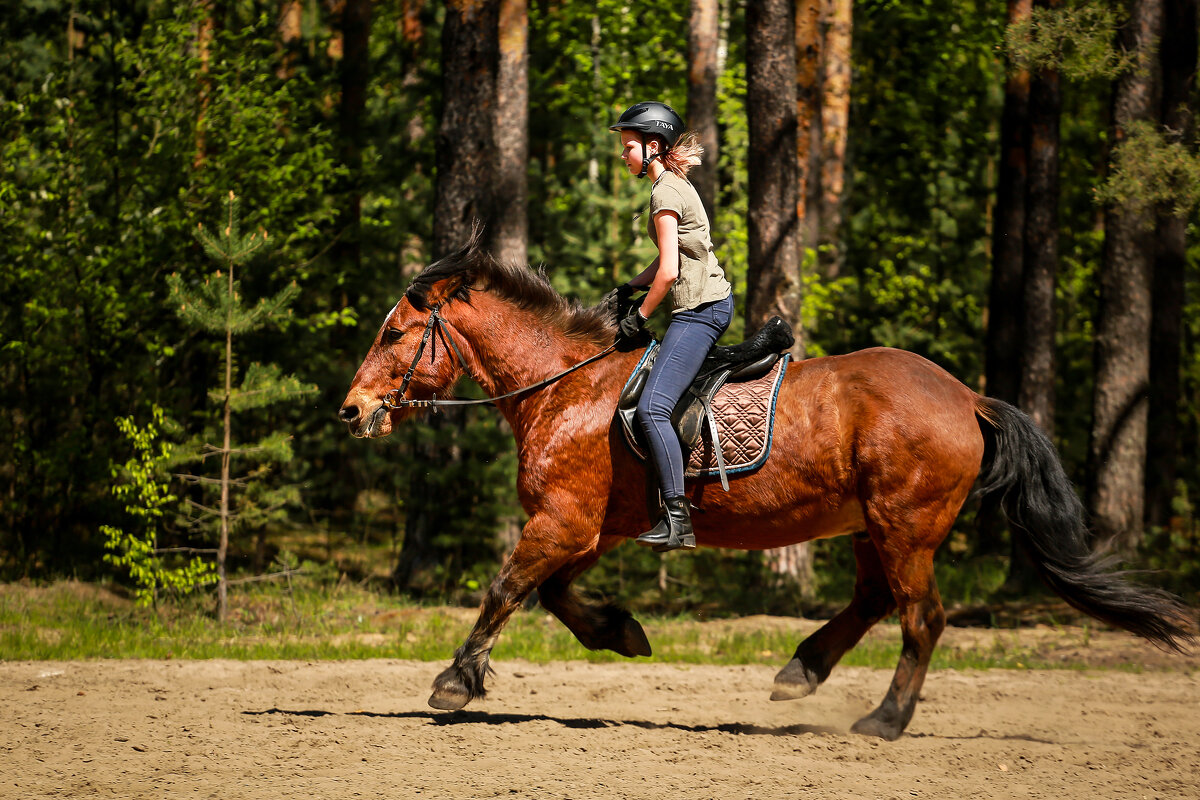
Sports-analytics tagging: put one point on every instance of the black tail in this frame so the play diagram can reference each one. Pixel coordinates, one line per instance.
(1045, 513)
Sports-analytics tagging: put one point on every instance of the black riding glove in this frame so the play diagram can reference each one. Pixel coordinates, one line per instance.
(626, 291)
(633, 323)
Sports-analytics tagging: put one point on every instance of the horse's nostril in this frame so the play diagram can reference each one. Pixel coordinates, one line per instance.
(348, 413)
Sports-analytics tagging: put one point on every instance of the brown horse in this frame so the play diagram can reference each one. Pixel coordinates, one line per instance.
(882, 444)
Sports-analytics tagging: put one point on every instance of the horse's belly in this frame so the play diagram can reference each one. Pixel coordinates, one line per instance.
(763, 531)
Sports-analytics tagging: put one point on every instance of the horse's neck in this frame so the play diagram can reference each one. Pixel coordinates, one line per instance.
(511, 349)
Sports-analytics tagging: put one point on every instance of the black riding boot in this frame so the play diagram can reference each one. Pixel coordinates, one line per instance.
(673, 531)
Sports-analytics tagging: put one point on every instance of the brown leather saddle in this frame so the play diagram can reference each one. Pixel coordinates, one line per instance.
(733, 393)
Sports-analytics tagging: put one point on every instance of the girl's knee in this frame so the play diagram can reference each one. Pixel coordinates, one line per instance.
(653, 409)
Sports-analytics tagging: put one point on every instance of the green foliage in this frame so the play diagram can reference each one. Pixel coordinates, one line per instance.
(588, 63)
(1152, 169)
(917, 212)
(1174, 550)
(142, 485)
(898, 303)
(113, 145)
(1075, 40)
(106, 152)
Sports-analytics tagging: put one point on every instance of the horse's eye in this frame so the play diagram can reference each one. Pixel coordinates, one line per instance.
(392, 335)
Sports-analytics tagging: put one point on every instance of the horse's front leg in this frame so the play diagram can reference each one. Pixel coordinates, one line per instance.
(545, 545)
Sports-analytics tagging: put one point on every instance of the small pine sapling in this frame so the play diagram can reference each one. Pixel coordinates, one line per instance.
(216, 306)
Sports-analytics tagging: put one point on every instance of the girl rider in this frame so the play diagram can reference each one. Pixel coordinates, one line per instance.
(686, 273)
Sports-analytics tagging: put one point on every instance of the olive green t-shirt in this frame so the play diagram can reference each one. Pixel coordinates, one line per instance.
(701, 279)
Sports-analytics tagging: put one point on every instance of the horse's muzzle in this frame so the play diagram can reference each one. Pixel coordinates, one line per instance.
(374, 423)
(364, 425)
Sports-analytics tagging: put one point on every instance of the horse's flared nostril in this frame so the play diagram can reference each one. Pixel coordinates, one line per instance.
(348, 413)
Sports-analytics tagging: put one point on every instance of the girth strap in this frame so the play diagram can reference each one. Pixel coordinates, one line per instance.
(716, 440)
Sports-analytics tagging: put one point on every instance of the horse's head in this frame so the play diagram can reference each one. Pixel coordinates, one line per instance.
(396, 350)
(449, 285)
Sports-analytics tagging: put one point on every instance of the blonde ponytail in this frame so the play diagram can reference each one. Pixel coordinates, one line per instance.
(684, 155)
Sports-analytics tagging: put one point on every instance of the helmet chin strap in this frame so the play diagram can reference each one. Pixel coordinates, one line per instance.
(646, 161)
(646, 164)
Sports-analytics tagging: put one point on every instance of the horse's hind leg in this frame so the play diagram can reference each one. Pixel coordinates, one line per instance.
(605, 626)
(817, 655)
(908, 564)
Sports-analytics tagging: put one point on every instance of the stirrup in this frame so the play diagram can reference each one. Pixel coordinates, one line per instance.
(685, 542)
(669, 540)
(673, 531)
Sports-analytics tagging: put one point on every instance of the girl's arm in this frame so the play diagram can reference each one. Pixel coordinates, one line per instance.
(666, 266)
(646, 276)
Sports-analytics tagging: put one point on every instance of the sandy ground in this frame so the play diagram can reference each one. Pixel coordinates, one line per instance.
(228, 729)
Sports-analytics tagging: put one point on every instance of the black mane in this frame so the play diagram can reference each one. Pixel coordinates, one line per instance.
(525, 287)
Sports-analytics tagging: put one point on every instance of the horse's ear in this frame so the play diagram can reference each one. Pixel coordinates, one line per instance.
(452, 276)
(443, 290)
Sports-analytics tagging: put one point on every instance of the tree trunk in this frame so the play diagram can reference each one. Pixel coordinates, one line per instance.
(466, 176)
(204, 36)
(1040, 247)
(1002, 347)
(224, 512)
(1179, 51)
(702, 97)
(1117, 448)
(411, 31)
(808, 118)
(291, 18)
(355, 27)
(773, 281)
(1002, 368)
(466, 143)
(413, 256)
(1040, 261)
(512, 120)
(703, 32)
(835, 121)
(773, 273)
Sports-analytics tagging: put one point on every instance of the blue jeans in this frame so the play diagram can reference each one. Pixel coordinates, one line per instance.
(689, 337)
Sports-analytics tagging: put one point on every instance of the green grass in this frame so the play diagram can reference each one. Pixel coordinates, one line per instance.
(72, 621)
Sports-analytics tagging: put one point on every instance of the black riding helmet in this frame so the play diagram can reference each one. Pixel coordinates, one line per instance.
(651, 118)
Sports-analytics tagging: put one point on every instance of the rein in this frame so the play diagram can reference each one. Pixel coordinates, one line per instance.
(395, 399)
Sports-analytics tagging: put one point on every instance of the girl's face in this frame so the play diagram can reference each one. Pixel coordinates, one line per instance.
(633, 150)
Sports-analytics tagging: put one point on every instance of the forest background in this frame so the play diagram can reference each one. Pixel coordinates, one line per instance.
(1008, 189)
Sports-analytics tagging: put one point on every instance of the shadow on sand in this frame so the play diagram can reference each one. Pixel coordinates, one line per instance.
(444, 718)
(485, 718)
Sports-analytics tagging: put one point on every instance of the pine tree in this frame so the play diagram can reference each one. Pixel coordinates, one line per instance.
(216, 306)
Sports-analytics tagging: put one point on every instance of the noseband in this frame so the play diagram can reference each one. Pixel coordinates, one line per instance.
(395, 399)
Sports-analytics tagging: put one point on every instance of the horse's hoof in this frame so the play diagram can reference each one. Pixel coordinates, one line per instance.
(873, 726)
(794, 681)
(448, 700)
(785, 691)
(634, 641)
(450, 693)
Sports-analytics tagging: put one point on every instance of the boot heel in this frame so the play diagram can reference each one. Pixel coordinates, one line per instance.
(685, 542)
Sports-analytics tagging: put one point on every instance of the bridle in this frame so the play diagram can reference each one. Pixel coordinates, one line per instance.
(395, 399)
